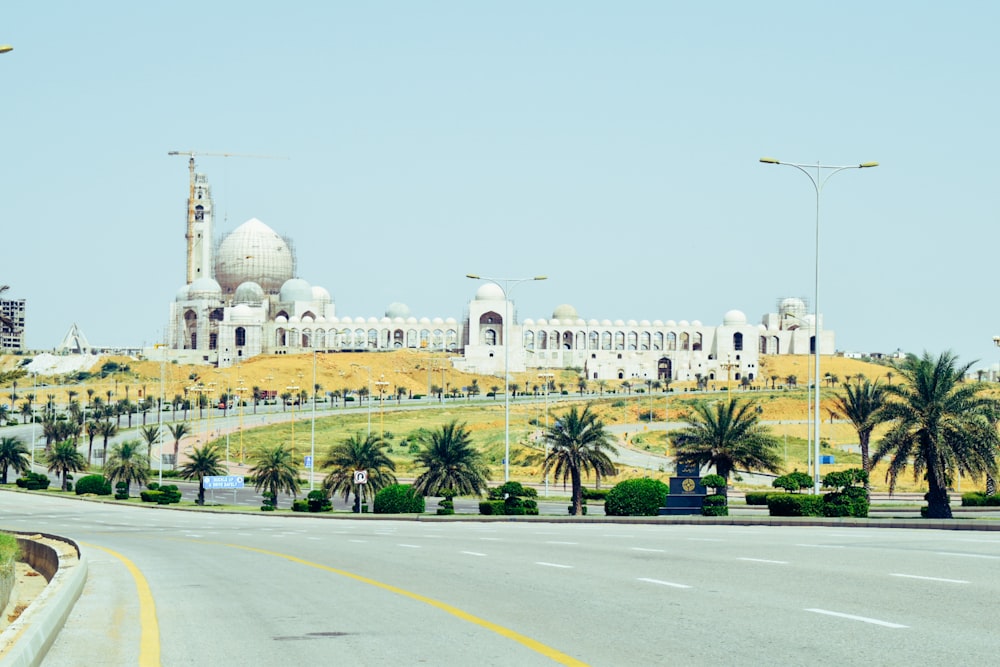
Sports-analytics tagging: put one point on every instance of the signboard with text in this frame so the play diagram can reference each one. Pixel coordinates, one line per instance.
(223, 481)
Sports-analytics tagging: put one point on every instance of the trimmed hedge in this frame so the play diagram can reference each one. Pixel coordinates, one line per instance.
(33, 481)
(595, 494)
(794, 504)
(491, 507)
(980, 499)
(852, 501)
(399, 499)
(96, 484)
(714, 506)
(636, 497)
(758, 497)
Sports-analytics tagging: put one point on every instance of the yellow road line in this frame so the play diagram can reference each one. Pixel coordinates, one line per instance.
(528, 642)
(149, 638)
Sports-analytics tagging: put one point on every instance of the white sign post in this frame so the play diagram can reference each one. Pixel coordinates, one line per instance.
(360, 478)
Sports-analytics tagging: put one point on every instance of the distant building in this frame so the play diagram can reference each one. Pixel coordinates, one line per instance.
(243, 298)
(12, 338)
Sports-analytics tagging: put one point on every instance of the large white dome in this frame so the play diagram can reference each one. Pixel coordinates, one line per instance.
(295, 289)
(254, 252)
(489, 292)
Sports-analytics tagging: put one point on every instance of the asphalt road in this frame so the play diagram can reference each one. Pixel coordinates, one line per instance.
(265, 590)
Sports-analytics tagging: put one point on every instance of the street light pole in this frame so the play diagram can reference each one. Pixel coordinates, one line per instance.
(368, 368)
(547, 377)
(506, 285)
(818, 180)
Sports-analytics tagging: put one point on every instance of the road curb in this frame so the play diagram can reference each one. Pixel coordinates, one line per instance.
(29, 637)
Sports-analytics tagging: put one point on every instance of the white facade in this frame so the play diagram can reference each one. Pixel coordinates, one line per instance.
(251, 302)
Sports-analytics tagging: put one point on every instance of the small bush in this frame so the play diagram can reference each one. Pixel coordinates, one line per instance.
(594, 494)
(150, 496)
(95, 484)
(793, 482)
(398, 499)
(531, 507)
(300, 505)
(852, 501)
(491, 507)
(758, 497)
(33, 481)
(714, 505)
(636, 497)
(794, 504)
(569, 509)
(153, 486)
(318, 501)
(169, 495)
(446, 507)
(974, 499)
(121, 491)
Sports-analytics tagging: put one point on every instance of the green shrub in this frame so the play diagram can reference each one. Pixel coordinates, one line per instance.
(10, 553)
(993, 500)
(594, 494)
(852, 501)
(758, 497)
(121, 491)
(636, 497)
(714, 505)
(95, 484)
(169, 495)
(300, 505)
(33, 481)
(793, 482)
(531, 507)
(318, 501)
(491, 507)
(446, 507)
(794, 504)
(974, 499)
(267, 505)
(717, 482)
(150, 496)
(569, 508)
(153, 486)
(398, 499)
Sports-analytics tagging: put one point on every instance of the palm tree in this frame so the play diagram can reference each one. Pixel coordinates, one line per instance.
(150, 434)
(941, 425)
(64, 459)
(579, 444)
(127, 464)
(451, 462)
(93, 429)
(13, 454)
(862, 405)
(108, 429)
(274, 470)
(358, 452)
(724, 435)
(202, 462)
(178, 431)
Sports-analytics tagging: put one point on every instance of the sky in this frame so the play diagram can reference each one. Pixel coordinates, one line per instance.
(613, 147)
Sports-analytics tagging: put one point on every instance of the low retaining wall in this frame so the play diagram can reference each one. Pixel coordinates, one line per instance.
(28, 639)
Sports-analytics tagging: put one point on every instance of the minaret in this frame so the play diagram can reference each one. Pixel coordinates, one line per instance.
(199, 227)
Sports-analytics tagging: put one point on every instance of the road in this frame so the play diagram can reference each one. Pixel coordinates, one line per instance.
(264, 590)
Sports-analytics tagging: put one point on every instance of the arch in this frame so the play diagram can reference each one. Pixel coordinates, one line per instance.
(696, 342)
(320, 343)
(664, 369)
(619, 340)
(567, 340)
(241, 336)
(581, 341)
(190, 330)
(645, 340)
(306, 338)
(671, 341)
(658, 340)
(543, 340)
(594, 341)
(738, 342)
(606, 340)
(685, 341)
(491, 320)
(280, 337)
(372, 339)
(529, 340)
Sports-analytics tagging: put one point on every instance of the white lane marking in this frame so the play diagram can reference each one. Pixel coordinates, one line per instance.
(359, 541)
(192, 535)
(852, 617)
(314, 538)
(916, 576)
(821, 546)
(472, 553)
(663, 583)
(704, 539)
(764, 560)
(953, 553)
(658, 551)
(969, 539)
(565, 543)
(491, 539)
(409, 546)
(619, 537)
(567, 567)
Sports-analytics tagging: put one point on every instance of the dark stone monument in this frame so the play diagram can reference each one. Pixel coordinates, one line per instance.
(686, 492)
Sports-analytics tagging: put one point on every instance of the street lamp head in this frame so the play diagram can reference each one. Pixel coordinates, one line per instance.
(865, 165)
(6, 48)
(540, 278)
(473, 276)
(769, 160)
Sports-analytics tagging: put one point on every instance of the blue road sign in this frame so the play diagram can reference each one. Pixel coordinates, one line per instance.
(223, 481)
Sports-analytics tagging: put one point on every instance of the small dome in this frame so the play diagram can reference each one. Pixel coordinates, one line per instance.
(593, 323)
(397, 309)
(320, 295)
(385, 320)
(204, 288)
(657, 323)
(182, 294)
(281, 319)
(249, 292)
(320, 318)
(619, 323)
(450, 320)
(644, 323)
(294, 319)
(684, 323)
(425, 320)
(555, 322)
(734, 318)
(792, 306)
(564, 312)
(529, 322)
(489, 292)
(295, 289)
(633, 323)
(307, 319)
(696, 323)
(605, 323)
(437, 320)
(411, 320)
(241, 313)
(671, 323)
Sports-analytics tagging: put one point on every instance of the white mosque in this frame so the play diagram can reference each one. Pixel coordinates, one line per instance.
(244, 298)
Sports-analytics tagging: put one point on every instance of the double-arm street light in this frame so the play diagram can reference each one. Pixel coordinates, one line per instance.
(547, 377)
(818, 174)
(505, 285)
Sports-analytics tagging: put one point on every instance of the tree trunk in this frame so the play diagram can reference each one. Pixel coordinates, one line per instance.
(201, 491)
(577, 492)
(991, 486)
(937, 498)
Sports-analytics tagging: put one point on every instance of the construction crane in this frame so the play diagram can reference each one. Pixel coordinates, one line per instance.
(190, 235)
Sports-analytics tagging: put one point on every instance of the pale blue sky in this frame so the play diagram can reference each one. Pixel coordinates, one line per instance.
(612, 146)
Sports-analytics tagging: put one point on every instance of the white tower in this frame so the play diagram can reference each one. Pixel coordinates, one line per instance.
(199, 227)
